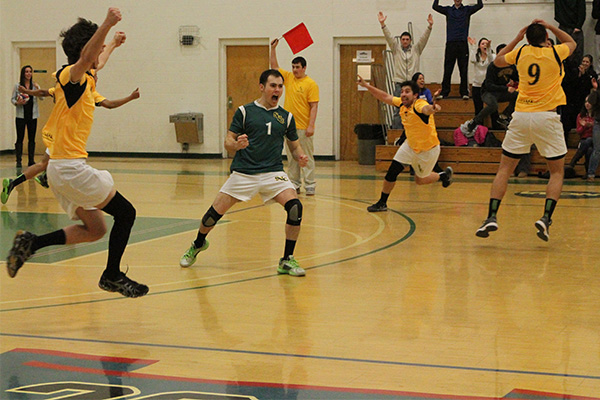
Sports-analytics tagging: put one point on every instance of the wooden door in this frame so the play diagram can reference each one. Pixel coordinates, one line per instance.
(356, 107)
(43, 61)
(244, 66)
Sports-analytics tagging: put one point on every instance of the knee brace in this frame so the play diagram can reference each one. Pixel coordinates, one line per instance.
(393, 171)
(211, 218)
(122, 210)
(294, 212)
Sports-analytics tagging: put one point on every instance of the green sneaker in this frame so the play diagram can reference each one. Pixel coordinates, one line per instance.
(7, 187)
(189, 257)
(290, 267)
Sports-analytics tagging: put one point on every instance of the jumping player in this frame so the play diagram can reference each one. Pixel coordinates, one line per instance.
(535, 120)
(82, 191)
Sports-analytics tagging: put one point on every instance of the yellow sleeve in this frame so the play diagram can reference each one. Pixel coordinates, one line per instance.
(286, 74)
(511, 57)
(562, 50)
(98, 98)
(313, 93)
(397, 101)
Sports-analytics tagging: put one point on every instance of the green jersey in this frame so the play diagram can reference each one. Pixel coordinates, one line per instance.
(266, 130)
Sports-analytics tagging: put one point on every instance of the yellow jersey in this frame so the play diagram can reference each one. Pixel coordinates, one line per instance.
(540, 76)
(298, 94)
(421, 134)
(70, 122)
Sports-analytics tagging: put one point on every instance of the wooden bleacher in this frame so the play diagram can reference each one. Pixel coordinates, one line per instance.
(465, 160)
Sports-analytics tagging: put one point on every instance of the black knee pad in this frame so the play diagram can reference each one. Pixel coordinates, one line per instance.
(393, 171)
(121, 209)
(211, 218)
(294, 212)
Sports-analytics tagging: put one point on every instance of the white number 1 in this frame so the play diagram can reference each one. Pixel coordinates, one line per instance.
(269, 128)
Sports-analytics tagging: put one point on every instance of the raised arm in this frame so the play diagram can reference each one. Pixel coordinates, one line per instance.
(118, 40)
(93, 47)
(436, 7)
(36, 92)
(500, 61)
(377, 93)
(106, 103)
(273, 57)
(562, 36)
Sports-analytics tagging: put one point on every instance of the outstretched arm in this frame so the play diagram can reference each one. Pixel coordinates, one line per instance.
(377, 93)
(106, 103)
(37, 92)
(273, 58)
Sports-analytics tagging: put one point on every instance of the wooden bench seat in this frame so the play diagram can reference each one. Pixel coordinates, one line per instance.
(469, 160)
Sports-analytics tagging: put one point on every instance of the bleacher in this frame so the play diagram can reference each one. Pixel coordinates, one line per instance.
(466, 160)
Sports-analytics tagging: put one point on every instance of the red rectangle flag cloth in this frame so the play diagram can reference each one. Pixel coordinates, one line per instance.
(298, 38)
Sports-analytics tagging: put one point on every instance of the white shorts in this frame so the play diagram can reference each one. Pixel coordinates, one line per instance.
(269, 184)
(422, 162)
(76, 184)
(540, 128)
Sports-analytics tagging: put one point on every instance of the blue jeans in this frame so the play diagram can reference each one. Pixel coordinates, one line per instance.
(595, 159)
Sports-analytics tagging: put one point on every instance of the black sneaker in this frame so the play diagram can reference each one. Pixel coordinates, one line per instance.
(377, 207)
(489, 225)
(446, 177)
(42, 179)
(127, 287)
(543, 227)
(20, 252)
(7, 187)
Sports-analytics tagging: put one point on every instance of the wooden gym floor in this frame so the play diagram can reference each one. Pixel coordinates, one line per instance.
(406, 304)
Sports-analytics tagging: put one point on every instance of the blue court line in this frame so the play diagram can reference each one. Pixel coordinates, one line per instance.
(310, 357)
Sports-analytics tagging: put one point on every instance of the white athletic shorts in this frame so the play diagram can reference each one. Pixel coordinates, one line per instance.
(76, 184)
(269, 184)
(422, 162)
(540, 128)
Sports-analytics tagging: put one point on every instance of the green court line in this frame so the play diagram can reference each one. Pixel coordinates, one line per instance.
(411, 230)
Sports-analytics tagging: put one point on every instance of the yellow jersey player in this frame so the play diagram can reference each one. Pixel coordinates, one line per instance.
(422, 146)
(535, 120)
(82, 191)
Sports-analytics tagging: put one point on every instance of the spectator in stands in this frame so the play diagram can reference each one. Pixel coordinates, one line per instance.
(458, 17)
(585, 125)
(480, 56)
(577, 85)
(594, 100)
(406, 57)
(570, 15)
(499, 86)
(424, 93)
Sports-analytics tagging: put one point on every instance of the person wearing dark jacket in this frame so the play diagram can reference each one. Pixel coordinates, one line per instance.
(458, 17)
(570, 15)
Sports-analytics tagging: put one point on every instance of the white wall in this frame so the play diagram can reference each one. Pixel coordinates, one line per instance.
(173, 79)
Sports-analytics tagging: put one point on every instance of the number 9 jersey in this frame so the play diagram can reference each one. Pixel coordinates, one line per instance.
(540, 76)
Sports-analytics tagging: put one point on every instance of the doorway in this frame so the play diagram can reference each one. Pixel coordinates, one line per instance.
(355, 107)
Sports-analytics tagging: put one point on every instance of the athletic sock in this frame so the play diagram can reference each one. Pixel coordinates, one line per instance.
(199, 242)
(384, 197)
(493, 208)
(549, 208)
(18, 180)
(290, 245)
(49, 239)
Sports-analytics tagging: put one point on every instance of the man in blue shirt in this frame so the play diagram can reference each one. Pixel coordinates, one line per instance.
(458, 18)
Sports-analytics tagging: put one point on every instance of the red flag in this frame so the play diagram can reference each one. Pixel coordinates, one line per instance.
(298, 38)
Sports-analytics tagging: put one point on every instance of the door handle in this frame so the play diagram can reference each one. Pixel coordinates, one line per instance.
(230, 102)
